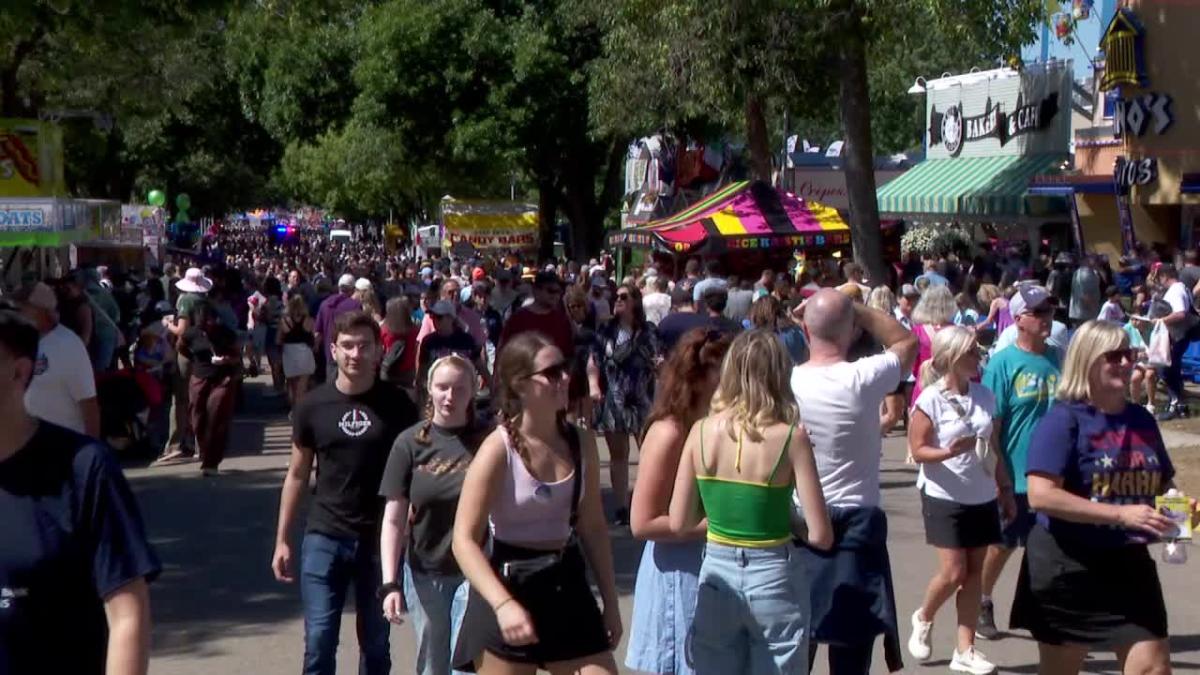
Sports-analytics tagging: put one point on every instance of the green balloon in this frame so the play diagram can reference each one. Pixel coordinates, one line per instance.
(183, 201)
(156, 198)
(182, 217)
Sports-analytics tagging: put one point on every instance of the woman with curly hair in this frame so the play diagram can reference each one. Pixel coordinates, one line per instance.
(535, 485)
(664, 600)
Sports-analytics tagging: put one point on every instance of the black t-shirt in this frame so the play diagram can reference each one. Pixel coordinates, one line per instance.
(435, 345)
(351, 436)
(430, 477)
(71, 534)
(202, 345)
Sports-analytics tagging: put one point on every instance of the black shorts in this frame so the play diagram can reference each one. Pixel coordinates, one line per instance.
(1104, 597)
(949, 524)
(1017, 532)
(565, 614)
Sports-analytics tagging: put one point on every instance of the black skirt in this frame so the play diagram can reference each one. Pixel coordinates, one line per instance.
(1070, 593)
(565, 614)
(949, 524)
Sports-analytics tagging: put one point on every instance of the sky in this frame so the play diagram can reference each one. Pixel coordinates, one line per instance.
(1086, 44)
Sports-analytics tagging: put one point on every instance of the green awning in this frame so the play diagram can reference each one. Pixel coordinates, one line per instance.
(967, 186)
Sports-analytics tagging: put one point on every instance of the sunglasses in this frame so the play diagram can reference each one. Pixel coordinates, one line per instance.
(552, 373)
(1041, 311)
(1118, 356)
(623, 296)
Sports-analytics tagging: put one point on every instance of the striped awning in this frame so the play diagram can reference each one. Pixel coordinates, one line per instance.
(967, 186)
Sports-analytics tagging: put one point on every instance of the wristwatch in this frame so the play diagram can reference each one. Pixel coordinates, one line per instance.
(387, 589)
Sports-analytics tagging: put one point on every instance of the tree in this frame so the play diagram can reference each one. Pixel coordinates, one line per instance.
(682, 62)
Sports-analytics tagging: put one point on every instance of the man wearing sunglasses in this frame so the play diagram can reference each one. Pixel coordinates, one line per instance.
(1023, 377)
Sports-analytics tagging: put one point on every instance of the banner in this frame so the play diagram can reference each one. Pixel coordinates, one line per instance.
(31, 159)
(490, 224)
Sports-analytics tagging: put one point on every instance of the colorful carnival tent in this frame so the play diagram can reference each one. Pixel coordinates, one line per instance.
(740, 216)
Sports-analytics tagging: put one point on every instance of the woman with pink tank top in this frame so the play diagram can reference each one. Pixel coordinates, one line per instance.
(535, 485)
(934, 311)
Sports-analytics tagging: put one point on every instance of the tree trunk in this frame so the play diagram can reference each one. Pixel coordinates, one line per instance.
(547, 218)
(756, 136)
(859, 150)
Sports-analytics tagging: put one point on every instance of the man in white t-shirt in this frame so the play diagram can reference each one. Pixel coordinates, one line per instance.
(1181, 324)
(63, 389)
(839, 406)
(656, 303)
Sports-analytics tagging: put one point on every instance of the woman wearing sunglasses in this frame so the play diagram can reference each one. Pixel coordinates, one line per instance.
(425, 471)
(535, 485)
(664, 601)
(1095, 465)
(621, 379)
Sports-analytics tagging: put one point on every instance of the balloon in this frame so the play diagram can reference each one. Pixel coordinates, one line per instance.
(182, 217)
(183, 201)
(156, 198)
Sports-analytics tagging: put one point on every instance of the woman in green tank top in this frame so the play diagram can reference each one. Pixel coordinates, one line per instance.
(739, 469)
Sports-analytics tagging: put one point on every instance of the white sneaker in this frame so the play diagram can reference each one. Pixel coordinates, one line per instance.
(918, 642)
(973, 662)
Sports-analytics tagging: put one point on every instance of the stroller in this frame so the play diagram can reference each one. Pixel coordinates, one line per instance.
(126, 398)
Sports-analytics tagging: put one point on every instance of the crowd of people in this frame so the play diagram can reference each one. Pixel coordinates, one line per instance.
(450, 411)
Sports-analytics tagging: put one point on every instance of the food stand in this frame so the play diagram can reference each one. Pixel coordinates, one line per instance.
(37, 234)
(748, 224)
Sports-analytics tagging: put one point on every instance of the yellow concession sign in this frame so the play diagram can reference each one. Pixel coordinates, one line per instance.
(31, 159)
(490, 224)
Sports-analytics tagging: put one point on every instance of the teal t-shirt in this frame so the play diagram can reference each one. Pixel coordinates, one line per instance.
(1024, 384)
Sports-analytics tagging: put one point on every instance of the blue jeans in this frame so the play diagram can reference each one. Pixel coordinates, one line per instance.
(436, 605)
(328, 565)
(752, 611)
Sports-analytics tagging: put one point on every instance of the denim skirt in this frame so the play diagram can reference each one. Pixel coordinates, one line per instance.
(664, 604)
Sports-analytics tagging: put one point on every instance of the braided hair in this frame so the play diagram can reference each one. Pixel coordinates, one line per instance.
(462, 364)
(514, 364)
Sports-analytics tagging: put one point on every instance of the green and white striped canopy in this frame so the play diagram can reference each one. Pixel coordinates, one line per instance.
(974, 186)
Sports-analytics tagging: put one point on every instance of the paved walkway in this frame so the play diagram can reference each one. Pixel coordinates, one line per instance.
(217, 608)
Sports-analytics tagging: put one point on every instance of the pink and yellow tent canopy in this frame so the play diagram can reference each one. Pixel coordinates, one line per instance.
(741, 216)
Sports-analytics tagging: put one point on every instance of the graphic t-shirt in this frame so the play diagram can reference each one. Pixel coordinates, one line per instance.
(351, 436)
(963, 478)
(430, 477)
(1111, 459)
(1024, 384)
(72, 535)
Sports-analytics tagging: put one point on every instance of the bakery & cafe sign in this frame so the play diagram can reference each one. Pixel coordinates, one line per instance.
(952, 129)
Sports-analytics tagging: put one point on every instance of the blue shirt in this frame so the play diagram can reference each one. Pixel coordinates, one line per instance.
(72, 535)
(1110, 459)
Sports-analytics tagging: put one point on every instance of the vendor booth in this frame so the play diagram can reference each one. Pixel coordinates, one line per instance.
(751, 219)
(37, 234)
(987, 135)
(494, 225)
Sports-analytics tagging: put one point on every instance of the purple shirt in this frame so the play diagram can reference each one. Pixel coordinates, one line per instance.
(333, 307)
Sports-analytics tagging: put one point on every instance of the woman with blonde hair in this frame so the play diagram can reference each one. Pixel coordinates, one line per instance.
(883, 299)
(365, 295)
(740, 467)
(949, 434)
(295, 336)
(535, 486)
(934, 311)
(1096, 463)
(422, 484)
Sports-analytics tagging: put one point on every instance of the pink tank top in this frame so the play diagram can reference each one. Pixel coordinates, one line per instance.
(528, 510)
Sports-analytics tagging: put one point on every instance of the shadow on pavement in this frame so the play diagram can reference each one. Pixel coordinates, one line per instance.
(215, 539)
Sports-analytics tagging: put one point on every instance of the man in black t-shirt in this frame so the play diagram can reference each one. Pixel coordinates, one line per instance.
(448, 338)
(350, 425)
(74, 560)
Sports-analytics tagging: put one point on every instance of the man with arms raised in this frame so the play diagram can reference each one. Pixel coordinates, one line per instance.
(852, 599)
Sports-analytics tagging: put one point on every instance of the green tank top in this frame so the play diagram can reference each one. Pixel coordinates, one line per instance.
(745, 513)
